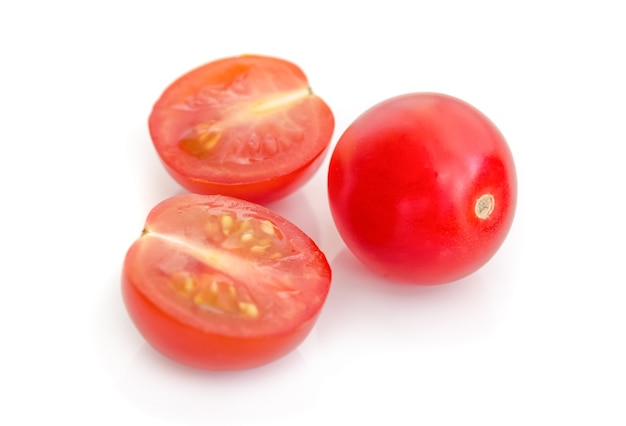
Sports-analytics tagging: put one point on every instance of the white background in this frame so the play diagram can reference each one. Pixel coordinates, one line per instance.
(537, 336)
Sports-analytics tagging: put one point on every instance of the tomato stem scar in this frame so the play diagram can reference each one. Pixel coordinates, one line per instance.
(484, 206)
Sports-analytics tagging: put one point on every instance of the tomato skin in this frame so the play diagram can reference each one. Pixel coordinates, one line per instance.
(206, 351)
(246, 126)
(264, 191)
(180, 236)
(404, 184)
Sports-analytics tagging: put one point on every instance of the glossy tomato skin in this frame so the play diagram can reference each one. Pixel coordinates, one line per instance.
(422, 188)
(206, 351)
(217, 283)
(246, 126)
(261, 191)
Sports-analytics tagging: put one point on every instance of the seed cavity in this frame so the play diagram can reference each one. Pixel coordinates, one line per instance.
(267, 227)
(201, 140)
(227, 223)
(213, 293)
(484, 206)
(247, 236)
(249, 140)
(261, 247)
(255, 235)
(183, 282)
(249, 309)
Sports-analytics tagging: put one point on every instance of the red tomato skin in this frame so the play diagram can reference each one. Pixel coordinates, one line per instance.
(403, 185)
(202, 350)
(265, 191)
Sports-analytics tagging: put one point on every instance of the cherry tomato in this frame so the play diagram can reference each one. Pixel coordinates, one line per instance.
(422, 188)
(219, 283)
(247, 126)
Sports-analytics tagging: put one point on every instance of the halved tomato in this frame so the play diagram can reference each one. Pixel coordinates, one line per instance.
(247, 126)
(222, 284)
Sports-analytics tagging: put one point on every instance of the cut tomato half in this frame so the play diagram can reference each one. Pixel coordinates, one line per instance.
(222, 284)
(247, 126)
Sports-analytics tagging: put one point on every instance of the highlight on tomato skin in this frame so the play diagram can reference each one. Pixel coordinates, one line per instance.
(218, 283)
(422, 188)
(246, 126)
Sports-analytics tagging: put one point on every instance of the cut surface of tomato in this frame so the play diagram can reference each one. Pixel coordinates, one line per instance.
(247, 126)
(219, 283)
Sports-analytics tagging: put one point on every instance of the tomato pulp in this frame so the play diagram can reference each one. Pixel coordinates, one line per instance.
(422, 188)
(247, 126)
(219, 283)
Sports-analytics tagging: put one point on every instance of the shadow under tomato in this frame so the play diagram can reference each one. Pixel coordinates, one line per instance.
(364, 309)
(169, 390)
(150, 178)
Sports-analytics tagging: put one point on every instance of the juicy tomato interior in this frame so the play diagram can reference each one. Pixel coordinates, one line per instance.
(220, 283)
(247, 126)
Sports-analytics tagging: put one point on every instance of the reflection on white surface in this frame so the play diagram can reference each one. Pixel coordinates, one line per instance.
(158, 386)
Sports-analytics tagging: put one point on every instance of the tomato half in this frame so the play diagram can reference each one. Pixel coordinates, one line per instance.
(422, 188)
(219, 283)
(247, 126)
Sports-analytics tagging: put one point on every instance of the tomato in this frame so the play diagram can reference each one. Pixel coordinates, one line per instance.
(219, 283)
(247, 126)
(422, 188)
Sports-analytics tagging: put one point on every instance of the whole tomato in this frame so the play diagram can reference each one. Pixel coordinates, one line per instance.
(422, 188)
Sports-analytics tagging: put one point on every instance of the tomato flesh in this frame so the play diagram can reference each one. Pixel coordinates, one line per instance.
(219, 283)
(422, 188)
(248, 127)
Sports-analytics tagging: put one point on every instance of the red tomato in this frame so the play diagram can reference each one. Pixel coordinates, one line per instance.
(422, 188)
(248, 127)
(219, 283)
